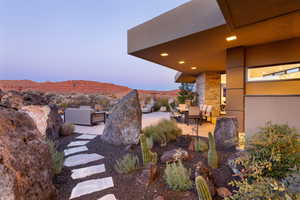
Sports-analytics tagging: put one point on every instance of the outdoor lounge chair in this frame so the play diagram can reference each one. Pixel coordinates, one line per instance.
(83, 116)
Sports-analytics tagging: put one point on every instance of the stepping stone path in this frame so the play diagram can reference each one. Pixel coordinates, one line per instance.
(108, 197)
(89, 186)
(82, 159)
(87, 171)
(75, 150)
(78, 143)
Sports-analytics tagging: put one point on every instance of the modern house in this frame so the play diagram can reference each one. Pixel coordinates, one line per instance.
(255, 44)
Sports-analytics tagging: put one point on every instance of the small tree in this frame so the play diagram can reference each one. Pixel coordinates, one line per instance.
(186, 92)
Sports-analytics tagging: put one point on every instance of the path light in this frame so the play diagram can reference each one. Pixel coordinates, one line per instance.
(231, 38)
(181, 62)
(164, 54)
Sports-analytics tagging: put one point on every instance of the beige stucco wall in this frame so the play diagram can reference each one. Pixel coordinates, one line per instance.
(278, 109)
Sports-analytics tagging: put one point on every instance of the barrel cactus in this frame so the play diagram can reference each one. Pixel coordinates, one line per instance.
(212, 152)
(202, 189)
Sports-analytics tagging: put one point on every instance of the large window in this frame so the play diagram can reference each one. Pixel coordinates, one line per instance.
(270, 73)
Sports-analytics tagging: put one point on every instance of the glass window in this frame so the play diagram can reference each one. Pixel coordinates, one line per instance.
(278, 72)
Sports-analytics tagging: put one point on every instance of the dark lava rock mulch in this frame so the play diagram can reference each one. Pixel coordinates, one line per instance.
(126, 186)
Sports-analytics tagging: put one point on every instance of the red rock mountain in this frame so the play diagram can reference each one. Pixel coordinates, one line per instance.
(87, 87)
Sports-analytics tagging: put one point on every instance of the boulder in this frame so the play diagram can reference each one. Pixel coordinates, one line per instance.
(222, 176)
(123, 125)
(148, 175)
(174, 155)
(46, 119)
(12, 100)
(226, 133)
(25, 160)
(223, 192)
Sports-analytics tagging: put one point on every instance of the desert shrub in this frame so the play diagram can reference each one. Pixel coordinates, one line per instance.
(259, 189)
(161, 102)
(67, 129)
(163, 132)
(127, 164)
(269, 165)
(178, 177)
(273, 152)
(56, 157)
(200, 145)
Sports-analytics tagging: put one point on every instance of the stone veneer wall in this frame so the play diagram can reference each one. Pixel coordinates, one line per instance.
(208, 88)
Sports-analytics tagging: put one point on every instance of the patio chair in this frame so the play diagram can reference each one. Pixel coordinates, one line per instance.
(194, 113)
(174, 114)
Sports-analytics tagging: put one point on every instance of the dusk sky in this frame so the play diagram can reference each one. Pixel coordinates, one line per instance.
(57, 40)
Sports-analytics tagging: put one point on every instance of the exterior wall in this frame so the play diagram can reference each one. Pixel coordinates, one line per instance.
(236, 84)
(208, 88)
(278, 109)
(276, 101)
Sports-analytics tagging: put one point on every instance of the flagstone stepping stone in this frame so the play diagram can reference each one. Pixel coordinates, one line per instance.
(91, 186)
(78, 143)
(81, 159)
(108, 197)
(87, 171)
(75, 150)
(86, 137)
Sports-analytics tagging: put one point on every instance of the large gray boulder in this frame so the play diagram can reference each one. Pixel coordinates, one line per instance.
(226, 133)
(124, 124)
(25, 161)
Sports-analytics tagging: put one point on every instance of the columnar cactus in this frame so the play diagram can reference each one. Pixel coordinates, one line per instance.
(148, 155)
(212, 152)
(202, 189)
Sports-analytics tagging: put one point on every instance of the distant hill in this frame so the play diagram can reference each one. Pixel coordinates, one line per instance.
(78, 86)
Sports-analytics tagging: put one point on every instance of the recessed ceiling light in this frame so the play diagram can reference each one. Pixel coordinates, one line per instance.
(164, 54)
(181, 62)
(231, 38)
(193, 68)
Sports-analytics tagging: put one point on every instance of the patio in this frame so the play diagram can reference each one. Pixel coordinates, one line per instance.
(151, 119)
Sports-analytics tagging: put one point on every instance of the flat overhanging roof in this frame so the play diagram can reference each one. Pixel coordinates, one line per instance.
(200, 39)
(184, 78)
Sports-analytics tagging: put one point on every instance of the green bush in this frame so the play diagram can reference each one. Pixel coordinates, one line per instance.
(127, 164)
(67, 129)
(178, 177)
(272, 157)
(259, 189)
(163, 132)
(200, 145)
(273, 151)
(56, 157)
